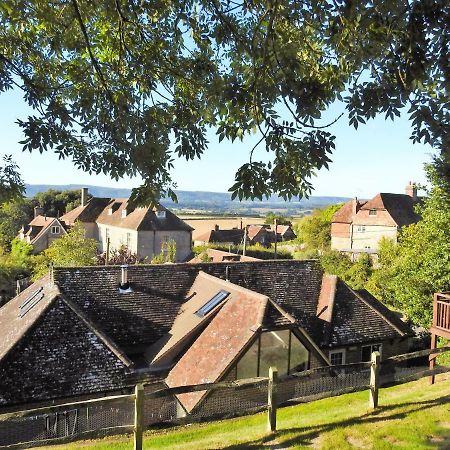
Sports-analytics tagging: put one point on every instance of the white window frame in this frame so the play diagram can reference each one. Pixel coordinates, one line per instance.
(361, 228)
(124, 213)
(333, 352)
(56, 229)
(161, 214)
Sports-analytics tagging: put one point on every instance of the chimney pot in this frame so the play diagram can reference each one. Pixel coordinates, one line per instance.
(216, 227)
(411, 190)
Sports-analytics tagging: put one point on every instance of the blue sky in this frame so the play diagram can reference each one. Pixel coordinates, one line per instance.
(378, 157)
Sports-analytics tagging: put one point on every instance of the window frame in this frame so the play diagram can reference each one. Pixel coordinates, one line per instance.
(372, 212)
(335, 352)
(380, 349)
(56, 229)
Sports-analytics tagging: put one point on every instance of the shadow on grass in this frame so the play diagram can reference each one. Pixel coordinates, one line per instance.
(306, 435)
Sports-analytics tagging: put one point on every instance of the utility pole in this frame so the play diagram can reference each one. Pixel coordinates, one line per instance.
(107, 251)
(245, 241)
(276, 237)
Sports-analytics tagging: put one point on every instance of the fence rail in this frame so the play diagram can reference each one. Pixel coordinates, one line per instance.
(136, 411)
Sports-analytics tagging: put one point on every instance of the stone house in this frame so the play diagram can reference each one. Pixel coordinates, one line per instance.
(42, 230)
(142, 230)
(358, 226)
(84, 332)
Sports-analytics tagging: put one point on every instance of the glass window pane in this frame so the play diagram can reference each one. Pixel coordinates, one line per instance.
(247, 366)
(299, 355)
(366, 353)
(274, 352)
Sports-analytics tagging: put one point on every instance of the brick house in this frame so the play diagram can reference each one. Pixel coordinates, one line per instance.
(141, 230)
(358, 226)
(87, 331)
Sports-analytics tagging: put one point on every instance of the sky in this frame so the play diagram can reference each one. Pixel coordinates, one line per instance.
(378, 157)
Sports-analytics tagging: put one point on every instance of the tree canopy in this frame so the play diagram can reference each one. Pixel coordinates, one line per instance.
(113, 83)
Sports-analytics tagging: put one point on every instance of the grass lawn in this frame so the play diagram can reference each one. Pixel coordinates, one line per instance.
(411, 416)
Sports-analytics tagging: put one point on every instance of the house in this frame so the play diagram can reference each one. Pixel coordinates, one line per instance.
(358, 226)
(233, 236)
(42, 230)
(142, 230)
(86, 331)
(284, 232)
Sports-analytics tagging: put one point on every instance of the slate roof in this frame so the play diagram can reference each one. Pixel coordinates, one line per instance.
(51, 350)
(222, 256)
(87, 213)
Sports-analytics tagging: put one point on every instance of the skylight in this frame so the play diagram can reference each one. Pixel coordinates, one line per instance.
(32, 300)
(211, 304)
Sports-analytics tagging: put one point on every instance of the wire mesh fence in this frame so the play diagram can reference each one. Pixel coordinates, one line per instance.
(218, 400)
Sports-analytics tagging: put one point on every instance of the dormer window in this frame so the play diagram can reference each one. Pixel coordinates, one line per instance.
(124, 213)
(372, 212)
(110, 211)
(161, 214)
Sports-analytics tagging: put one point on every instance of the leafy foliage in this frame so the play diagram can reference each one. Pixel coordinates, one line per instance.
(73, 250)
(168, 253)
(11, 185)
(112, 82)
(118, 257)
(419, 265)
(314, 231)
(281, 220)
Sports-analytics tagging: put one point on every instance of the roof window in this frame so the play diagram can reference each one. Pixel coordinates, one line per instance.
(161, 214)
(211, 304)
(31, 301)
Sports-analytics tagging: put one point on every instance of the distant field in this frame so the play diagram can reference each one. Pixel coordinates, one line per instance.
(202, 225)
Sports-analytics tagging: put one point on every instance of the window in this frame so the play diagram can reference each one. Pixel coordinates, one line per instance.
(367, 350)
(128, 241)
(273, 348)
(124, 213)
(107, 233)
(110, 211)
(161, 214)
(372, 212)
(361, 228)
(55, 229)
(337, 357)
(211, 304)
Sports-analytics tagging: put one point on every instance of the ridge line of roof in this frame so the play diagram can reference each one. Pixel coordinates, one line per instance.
(113, 347)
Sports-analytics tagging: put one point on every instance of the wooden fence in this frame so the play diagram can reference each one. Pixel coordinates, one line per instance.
(273, 387)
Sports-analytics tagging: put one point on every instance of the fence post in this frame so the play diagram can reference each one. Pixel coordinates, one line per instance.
(374, 380)
(138, 416)
(272, 399)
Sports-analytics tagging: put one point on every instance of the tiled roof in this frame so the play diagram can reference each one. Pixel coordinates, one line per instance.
(45, 228)
(87, 213)
(221, 256)
(345, 213)
(140, 218)
(357, 321)
(219, 345)
(399, 206)
(234, 235)
(254, 230)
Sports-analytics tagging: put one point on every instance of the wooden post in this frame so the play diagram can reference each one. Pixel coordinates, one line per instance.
(276, 238)
(272, 400)
(138, 416)
(374, 380)
(432, 358)
(244, 250)
(107, 251)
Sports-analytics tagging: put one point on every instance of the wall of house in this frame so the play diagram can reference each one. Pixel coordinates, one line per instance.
(46, 239)
(91, 230)
(150, 243)
(368, 236)
(340, 236)
(118, 237)
(390, 348)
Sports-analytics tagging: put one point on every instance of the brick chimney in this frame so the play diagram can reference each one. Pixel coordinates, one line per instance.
(355, 206)
(411, 190)
(216, 227)
(38, 211)
(84, 196)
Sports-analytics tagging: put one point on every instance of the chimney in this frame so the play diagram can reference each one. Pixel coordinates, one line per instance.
(355, 205)
(84, 196)
(38, 211)
(124, 287)
(216, 227)
(411, 190)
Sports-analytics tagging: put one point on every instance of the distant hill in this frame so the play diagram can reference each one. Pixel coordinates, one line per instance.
(205, 201)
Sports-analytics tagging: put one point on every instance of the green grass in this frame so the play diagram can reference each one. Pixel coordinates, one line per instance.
(411, 416)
